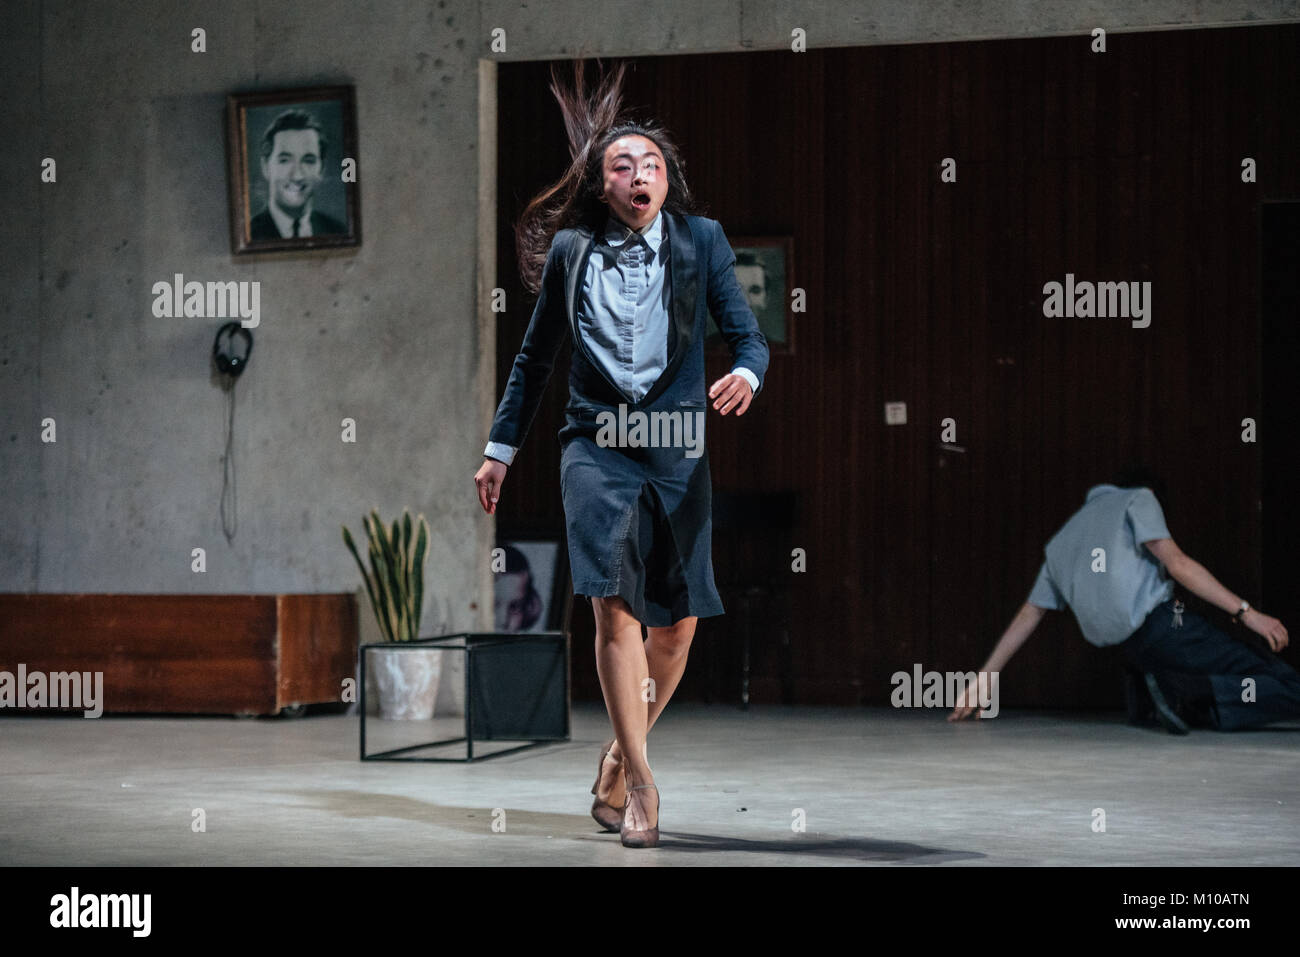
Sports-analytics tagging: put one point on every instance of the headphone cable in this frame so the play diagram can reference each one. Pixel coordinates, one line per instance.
(229, 522)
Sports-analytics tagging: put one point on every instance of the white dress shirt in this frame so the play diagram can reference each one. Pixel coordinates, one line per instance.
(284, 222)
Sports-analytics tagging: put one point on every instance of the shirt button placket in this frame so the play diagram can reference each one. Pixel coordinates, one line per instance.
(631, 292)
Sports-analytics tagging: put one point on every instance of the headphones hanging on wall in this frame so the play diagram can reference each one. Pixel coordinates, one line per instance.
(230, 363)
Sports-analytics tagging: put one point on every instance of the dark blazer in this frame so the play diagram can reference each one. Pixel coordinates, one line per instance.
(262, 226)
(702, 283)
(606, 488)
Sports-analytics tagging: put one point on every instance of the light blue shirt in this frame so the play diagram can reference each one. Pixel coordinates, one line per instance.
(1112, 604)
(623, 312)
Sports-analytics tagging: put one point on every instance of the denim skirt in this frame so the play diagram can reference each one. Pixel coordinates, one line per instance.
(639, 525)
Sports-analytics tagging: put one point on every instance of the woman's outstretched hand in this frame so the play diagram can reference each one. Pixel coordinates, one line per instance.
(488, 481)
(731, 392)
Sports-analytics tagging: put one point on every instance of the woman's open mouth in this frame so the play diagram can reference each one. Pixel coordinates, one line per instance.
(641, 200)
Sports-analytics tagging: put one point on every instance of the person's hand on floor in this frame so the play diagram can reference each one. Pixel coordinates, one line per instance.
(964, 706)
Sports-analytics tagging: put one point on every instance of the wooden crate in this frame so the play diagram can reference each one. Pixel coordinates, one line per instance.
(190, 654)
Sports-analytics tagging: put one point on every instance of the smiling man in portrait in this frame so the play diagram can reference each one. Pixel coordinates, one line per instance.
(293, 162)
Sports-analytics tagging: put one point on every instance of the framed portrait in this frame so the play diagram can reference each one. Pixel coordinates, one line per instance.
(765, 270)
(292, 157)
(531, 586)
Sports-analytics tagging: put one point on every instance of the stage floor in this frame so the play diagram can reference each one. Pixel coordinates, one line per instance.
(875, 786)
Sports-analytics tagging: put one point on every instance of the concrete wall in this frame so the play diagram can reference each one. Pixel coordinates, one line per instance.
(389, 334)
(385, 334)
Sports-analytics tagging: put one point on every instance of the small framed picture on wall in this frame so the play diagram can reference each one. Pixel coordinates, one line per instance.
(292, 157)
(765, 270)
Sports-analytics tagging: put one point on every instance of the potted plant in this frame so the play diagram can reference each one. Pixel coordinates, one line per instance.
(406, 681)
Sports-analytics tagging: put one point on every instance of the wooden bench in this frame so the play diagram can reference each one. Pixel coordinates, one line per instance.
(189, 654)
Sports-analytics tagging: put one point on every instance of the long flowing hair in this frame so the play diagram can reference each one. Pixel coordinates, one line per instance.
(592, 122)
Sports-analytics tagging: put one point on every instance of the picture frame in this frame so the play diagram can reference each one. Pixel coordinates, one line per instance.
(765, 270)
(531, 592)
(293, 163)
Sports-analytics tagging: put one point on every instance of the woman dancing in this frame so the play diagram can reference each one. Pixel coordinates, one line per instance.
(623, 266)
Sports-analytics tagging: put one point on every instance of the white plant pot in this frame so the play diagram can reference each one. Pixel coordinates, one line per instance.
(407, 683)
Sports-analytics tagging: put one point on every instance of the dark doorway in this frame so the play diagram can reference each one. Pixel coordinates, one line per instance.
(1278, 435)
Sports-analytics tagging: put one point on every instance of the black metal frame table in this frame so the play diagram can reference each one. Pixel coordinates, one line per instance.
(484, 719)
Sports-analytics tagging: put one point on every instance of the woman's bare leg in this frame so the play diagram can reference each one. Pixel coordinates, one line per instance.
(621, 664)
(665, 652)
(623, 669)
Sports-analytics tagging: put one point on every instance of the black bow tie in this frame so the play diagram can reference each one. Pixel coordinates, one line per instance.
(610, 252)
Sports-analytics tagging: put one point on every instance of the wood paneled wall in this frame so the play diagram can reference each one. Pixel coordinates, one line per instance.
(1122, 166)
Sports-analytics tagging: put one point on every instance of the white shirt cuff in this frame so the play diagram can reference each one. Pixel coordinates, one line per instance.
(500, 451)
(747, 376)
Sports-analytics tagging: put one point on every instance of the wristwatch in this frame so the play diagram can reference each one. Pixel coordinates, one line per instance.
(1239, 617)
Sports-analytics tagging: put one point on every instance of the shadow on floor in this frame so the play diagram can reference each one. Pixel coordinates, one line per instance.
(849, 848)
(478, 821)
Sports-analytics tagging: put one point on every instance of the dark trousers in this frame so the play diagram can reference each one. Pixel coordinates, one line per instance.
(1199, 648)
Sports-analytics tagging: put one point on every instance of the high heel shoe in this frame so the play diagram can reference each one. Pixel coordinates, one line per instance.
(608, 816)
(646, 837)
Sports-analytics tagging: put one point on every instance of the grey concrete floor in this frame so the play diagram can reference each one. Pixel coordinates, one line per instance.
(876, 786)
